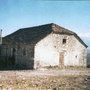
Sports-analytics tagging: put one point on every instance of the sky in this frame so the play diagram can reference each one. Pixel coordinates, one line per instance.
(73, 15)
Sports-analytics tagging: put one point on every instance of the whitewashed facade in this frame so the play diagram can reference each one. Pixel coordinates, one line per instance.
(52, 50)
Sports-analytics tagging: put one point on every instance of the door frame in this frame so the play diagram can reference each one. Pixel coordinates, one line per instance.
(61, 58)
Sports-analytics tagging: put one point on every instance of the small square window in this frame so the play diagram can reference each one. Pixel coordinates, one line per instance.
(64, 41)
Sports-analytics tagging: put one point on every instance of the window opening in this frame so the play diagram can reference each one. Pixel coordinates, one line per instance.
(64, 41)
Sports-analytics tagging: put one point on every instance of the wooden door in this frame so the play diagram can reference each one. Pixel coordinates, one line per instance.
(61, 59)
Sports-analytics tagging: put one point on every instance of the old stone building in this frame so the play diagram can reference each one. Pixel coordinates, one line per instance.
(45, 45)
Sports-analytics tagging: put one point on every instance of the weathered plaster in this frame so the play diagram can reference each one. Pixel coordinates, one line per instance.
(47, 51)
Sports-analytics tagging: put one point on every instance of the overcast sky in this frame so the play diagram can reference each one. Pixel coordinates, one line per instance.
(73, 15)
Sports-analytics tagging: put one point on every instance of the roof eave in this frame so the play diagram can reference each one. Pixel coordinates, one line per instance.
(80, 40)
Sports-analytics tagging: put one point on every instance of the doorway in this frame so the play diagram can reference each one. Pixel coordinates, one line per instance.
(61, 59)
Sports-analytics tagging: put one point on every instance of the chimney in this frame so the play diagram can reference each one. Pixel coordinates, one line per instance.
(0, 36)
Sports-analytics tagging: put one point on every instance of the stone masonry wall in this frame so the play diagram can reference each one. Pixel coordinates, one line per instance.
(48, 50)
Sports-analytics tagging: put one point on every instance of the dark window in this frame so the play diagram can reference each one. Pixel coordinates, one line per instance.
(24, 51)
(76, 56)
(18, 46)
(64, 41)
(55, 46)
(14, 50)
(0, 51)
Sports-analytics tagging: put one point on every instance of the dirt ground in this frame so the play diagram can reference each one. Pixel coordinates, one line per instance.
(44, 79)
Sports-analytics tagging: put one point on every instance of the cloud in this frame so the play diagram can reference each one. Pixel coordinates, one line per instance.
(86, 35)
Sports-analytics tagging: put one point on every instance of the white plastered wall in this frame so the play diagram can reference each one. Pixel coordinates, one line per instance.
(47, 51)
